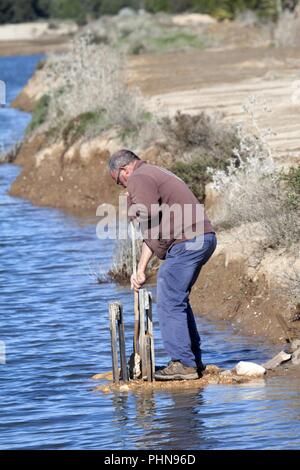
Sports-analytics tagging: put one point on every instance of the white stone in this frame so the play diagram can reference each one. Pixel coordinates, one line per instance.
(250, 369)
(296, 357)
(295, 345)
(277, 360)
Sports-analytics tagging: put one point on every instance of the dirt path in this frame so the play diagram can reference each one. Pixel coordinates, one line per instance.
(28, 47)
(218, 80)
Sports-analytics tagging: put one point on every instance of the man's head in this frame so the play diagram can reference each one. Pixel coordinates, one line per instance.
(121, 165)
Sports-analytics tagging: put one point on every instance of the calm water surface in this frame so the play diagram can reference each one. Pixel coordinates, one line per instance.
(54, 322)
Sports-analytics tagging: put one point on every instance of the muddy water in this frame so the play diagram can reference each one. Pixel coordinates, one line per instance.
(54, 322)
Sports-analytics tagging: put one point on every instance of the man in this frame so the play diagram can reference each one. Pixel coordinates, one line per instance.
(188, 245)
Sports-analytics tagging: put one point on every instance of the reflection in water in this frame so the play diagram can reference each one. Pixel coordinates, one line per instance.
(164, 420)
(176, 423)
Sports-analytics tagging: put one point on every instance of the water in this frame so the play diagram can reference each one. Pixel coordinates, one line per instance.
(54, 322)
(14, 72)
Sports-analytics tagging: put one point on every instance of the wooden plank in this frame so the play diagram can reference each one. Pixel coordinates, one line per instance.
(142, 331)
(113, 335)
(136, 294)
(122, 346)
(150, 330)
(148, 358)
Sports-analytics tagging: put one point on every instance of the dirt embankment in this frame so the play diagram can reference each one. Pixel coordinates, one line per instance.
(241, 283)
(74, 179)
(250, 299)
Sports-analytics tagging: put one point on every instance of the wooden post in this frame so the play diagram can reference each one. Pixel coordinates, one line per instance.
(116, 318)
(142, 344)
(136, 294)
(150, 331)
(135, 357)
(148, 357)
(113, 335)
(122, 347)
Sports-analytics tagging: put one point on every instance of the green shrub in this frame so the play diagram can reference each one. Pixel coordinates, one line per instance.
(196, 143)
(112, 7)
(39, 114)
(84, 124)
(292, 180)
(202, 133)
(68, 9)
(154, 6)
(177, 40)
(269, 9)
(194, 174)
(221, 14)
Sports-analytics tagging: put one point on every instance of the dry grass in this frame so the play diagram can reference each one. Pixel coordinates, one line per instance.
(255, 191)
(142, 33)
(122, 269)
(90, 79)
(203, 134)
(287, 30)
(195, 143)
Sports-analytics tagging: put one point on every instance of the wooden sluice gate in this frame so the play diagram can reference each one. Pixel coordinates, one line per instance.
(116, 325)
(141, 364)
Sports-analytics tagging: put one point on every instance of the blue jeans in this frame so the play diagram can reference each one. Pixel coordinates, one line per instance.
(176, 276)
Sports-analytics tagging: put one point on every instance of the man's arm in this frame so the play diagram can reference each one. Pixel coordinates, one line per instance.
(143, 191)
(140, 278)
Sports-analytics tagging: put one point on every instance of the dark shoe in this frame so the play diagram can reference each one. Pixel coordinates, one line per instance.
(175, 370)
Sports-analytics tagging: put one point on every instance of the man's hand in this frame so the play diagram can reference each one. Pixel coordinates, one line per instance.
(138, 280)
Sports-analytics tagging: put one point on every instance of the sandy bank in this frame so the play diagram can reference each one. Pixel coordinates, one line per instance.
(35, 37)
(74, 179)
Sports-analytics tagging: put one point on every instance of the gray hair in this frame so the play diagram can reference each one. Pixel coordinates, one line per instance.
(121, 158)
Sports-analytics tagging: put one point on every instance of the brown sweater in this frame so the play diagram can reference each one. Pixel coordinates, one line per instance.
(157, 190)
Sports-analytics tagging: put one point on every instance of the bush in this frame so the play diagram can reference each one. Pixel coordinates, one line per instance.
(196, 143)
(90, 79)
(255, 192)
(287, 30)
(203, 133)
(292, 180)
(121, 269)
(154, 6)
(39, 115)
(68, 9)
(87, 124)
(194, 174)
(112, 7)
(177, 40)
